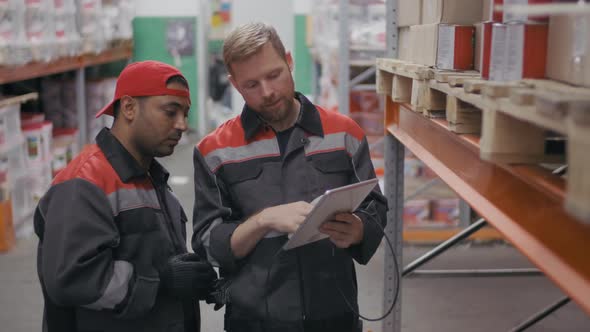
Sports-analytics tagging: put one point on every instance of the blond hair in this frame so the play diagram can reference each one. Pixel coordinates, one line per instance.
(247, 39)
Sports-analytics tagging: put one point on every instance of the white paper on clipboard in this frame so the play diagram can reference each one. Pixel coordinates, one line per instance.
(334, 201)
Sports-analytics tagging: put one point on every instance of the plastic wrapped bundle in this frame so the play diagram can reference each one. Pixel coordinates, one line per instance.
(126, 15)
(117, 18)
(90, 25)
(40, 29)
(14, 46)
(66, 31)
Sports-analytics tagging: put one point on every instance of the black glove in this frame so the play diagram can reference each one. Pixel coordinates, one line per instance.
(187, 276)
(220, 294)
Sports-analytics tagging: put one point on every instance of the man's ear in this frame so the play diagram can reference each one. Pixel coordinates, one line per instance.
(289, 59)
(129, 107)
(233, 82)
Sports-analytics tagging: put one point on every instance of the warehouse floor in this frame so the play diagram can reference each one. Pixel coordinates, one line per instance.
(428, 303)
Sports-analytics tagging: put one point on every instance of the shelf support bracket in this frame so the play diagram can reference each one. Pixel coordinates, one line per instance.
(541, 315)
(444, 246)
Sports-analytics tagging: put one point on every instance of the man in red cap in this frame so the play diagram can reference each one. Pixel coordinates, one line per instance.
(112, 254)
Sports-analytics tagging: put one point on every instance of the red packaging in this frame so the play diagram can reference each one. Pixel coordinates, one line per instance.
(416, 211)
(445, 210)
(455, 47)
(518, 51)
(485, 48)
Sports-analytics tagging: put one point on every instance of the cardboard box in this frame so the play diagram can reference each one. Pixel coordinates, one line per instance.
(409, 12)
(518, 51)
(499, 16)
(568, 57)
(405, 44)
(424, 43)
(478, 48)
(455, 47)
(443, 45)
(497, 53)
(483, 48)
(461, 12)
(488, 12)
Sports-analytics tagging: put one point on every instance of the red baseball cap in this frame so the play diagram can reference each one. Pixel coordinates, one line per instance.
(144, 78)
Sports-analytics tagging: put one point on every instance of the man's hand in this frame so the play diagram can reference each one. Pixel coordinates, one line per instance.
(284, 218)
(345, 230)
(187, 276)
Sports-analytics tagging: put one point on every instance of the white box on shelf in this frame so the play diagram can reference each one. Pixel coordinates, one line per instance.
(461, 12)
(10, 132)
(409, 12)
(568, 49)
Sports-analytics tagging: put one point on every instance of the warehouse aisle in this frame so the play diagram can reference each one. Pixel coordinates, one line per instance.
(429, 304)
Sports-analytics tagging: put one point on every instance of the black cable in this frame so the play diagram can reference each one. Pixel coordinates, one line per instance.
(397, 283)
(356, 312)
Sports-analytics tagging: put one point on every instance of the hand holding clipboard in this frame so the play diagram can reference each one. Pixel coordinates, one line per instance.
(344, 199)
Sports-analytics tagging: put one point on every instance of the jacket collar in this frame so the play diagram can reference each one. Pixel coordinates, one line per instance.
(309, 119)
(123, 162)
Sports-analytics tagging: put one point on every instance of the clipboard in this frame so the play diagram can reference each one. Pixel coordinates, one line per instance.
(343, 199)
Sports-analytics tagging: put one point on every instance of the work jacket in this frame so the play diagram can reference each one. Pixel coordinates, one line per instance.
(106, 228)
(239, 171)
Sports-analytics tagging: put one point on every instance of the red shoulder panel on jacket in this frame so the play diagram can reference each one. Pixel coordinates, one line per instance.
(334, 122)
(92, 165)
(229, 134)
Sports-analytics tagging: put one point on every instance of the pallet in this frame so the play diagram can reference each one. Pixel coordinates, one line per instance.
(513, 119)
(115, 43)
(405, 69)
(454, 78)
(462, 117)
(5, 101)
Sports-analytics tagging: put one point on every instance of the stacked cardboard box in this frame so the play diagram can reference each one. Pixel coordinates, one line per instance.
(511, 47)
(568, 50)
(507, 46)
(438, 32)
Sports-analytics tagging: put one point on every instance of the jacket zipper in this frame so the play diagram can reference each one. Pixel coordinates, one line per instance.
(299, 263)
(164, 208)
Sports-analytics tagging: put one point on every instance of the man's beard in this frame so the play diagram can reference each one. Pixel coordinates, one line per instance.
(277, 115)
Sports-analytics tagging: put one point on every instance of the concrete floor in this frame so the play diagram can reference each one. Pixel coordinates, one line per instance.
(428, 304)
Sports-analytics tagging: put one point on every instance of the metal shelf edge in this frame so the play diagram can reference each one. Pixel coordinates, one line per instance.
(523, 213)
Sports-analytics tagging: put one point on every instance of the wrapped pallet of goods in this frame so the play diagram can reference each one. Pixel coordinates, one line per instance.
(90, 26)
(40, 28)
(66, 32)
(14, 45)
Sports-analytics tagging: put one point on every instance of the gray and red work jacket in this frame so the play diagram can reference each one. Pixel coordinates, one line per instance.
(240, 170)
(106, 229)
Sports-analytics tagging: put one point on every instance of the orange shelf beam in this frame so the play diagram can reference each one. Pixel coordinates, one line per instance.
(523, 202)
(10, 74)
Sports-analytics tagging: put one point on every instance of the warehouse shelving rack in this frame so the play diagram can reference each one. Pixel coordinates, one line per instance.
(122, 51)
(524, 202)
